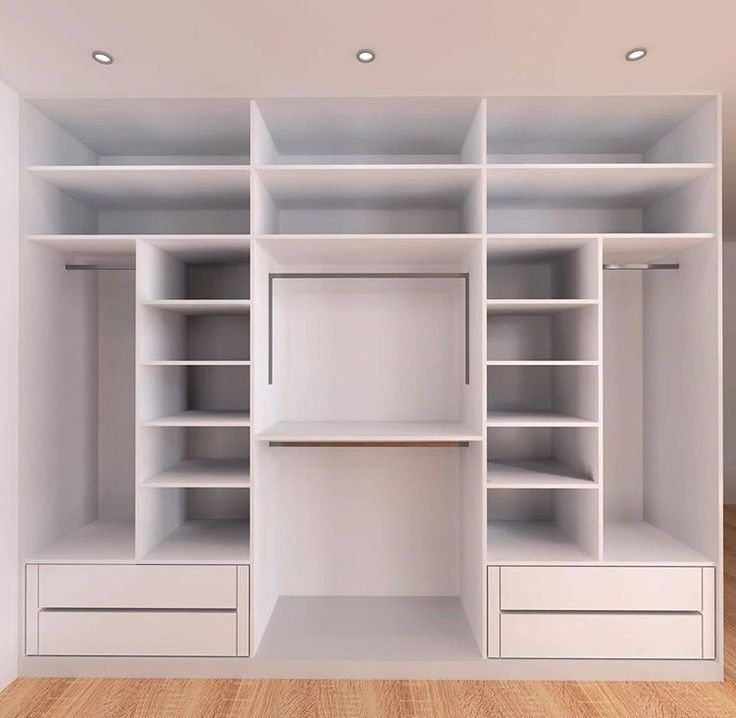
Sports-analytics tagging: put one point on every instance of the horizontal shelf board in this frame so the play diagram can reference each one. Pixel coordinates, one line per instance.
(213, 541)
(535, 418)
(532, 542)
(379, 249)
(201, 306)
(152, 186)
(203, 473)
(202, 418)
(357, 628)
(96, 542)
(91, 244)
(649, 247)
(616, 184)
(639, 542)
(535, 474)
(541, 362)
(536, 306)
(197, 362)
(338, 185)
(351, 431)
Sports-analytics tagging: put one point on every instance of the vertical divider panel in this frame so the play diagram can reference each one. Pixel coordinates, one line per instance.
(601, 411)
(158, 511)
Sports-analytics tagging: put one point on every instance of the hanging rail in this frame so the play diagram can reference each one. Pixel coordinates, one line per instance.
(642, 267)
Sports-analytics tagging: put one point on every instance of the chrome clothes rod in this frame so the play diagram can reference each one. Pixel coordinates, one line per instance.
(97, 268)
(642, 267)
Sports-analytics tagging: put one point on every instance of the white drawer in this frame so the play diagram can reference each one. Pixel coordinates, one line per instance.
(136, 633)
(605, 635)
(128, 586)
(601, 588)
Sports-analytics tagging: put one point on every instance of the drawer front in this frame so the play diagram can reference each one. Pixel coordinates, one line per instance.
(611, 635)
(136, 633)
(128, 586)
(601, 588)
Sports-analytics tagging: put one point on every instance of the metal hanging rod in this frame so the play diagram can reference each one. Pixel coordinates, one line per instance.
(642, 267)
(97, 268)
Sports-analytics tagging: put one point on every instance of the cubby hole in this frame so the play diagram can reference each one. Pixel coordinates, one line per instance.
(538, 457)
(195, 457)
(542, 526)
(368, 131)
(218, 393)
(585, 129)
(661, 415)
(542, 269)
(195, 525)
(566, 335)
(369, 201)
(173, 336)
(543, 394)
(345, 523)
(373, 348)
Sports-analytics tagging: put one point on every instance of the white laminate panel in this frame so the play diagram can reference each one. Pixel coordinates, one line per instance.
(601, 635)
(116, 586)
(600, 588)
(137, 633)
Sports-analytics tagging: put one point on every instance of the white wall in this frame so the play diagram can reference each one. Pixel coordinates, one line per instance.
(729, 371)
(9, 172)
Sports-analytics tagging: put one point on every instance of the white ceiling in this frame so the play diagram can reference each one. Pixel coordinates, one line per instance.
(424, 47)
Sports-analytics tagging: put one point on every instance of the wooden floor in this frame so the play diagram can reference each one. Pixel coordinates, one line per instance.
(124, 698)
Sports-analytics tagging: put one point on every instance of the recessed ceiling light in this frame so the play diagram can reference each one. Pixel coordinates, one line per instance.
(104, 58)
(636, 53)
(365, 55)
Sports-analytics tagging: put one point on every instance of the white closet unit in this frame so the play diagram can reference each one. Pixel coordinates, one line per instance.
(372, 387)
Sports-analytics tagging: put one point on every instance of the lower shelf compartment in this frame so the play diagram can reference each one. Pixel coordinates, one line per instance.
(95, 542)
(532, 542)
(204, 541)
(368, 628)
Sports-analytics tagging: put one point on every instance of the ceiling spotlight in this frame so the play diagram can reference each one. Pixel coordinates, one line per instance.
(365, 55)
(636, 53)
(104, 58)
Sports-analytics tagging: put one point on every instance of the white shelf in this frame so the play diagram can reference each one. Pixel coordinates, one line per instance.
(644, 248)
(202, 418)
(370, 183)
(365, 431)
(641, 543)
(364, 628)
(97, 244)
(532, 542)
(197, 362)
(536, 306)
(203, 473)
(215, 541)
(541, 362)
(535, 474)
(535, 418)
(152, 186)
(96, 542)
(194, 307)
(618, 184)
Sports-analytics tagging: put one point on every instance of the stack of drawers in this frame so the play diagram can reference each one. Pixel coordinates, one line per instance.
(136, 610)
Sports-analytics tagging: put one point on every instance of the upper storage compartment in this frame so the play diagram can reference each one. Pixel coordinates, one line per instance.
(137, 166)
(368, 131)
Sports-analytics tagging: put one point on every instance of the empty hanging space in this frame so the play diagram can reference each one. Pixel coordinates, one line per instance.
(368, 199)
(79, 393)
(540, 526)
(367, 131)
(660, 341)
(542, 457)
(361, 554)
(130, 167)
(369, 351)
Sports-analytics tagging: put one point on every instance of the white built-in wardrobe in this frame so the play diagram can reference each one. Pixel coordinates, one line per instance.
(371, 387)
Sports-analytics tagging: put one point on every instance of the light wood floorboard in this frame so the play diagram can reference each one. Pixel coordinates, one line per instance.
(142, 698)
